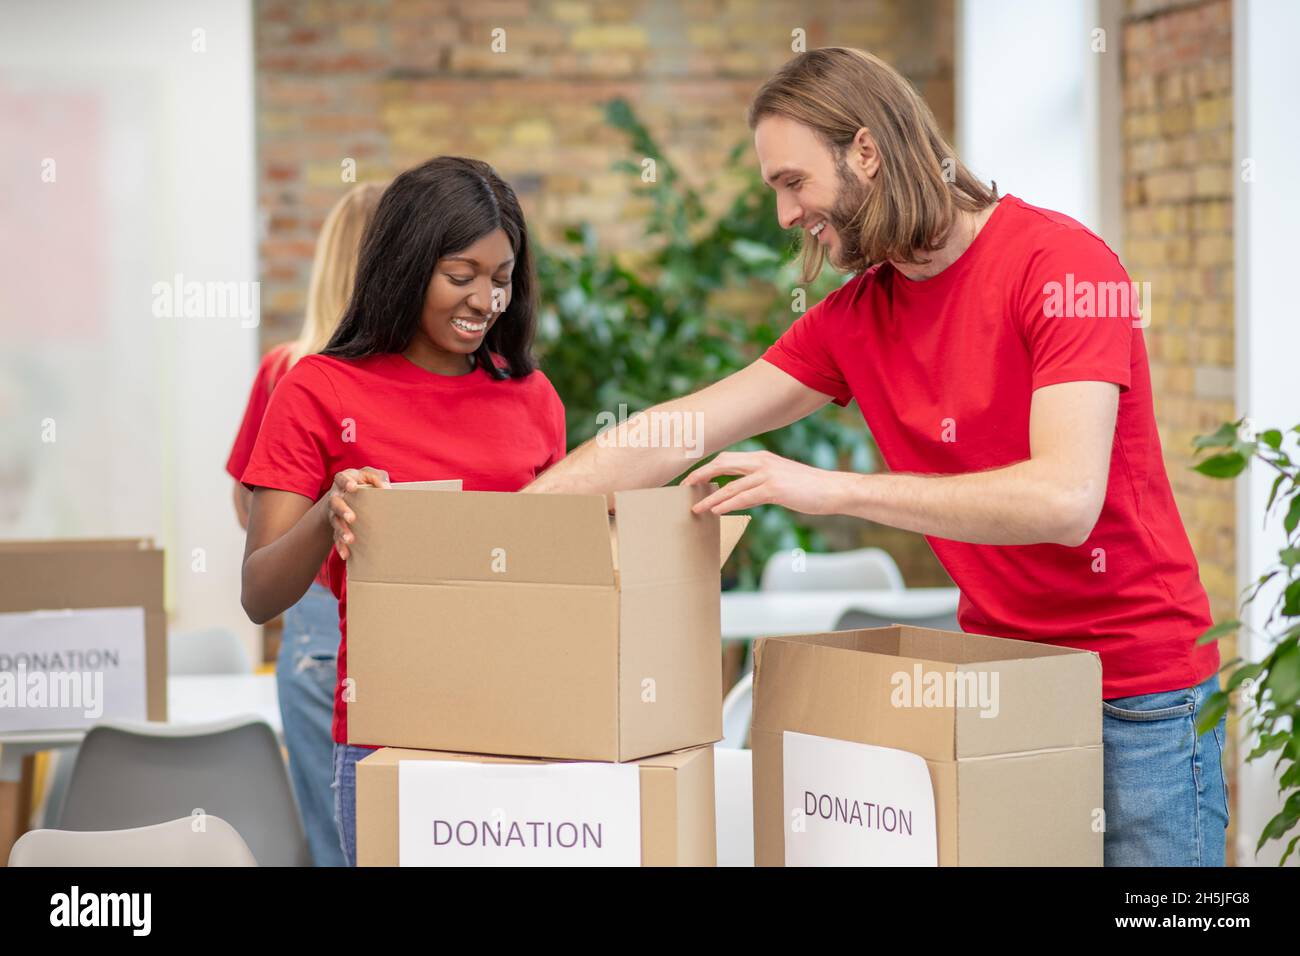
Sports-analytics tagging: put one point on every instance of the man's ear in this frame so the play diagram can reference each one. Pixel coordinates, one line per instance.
(862, 154)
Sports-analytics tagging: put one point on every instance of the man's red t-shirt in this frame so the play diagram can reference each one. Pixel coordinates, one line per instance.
(386, 412)
(943, 371)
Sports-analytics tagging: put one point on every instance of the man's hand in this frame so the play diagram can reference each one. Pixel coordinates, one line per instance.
(768, 479)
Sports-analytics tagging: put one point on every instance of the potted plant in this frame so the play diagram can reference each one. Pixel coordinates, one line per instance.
(1269, 688)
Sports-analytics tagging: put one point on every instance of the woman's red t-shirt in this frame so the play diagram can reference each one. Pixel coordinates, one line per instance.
(386, 412)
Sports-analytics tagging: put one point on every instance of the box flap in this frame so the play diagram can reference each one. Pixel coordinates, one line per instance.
(79, 544)
(730, 530)
(731, 527)
(426, 536)
(661, 539)
(450, 484)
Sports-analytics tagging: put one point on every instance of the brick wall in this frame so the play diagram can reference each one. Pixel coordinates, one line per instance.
(390, 83)
(1178, 168)
(1177, 134)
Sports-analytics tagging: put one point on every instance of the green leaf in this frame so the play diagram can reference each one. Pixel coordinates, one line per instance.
(1215, 706)
(1289, 848)
(1227, 465)
(1292, 516)
(1283, 680)
(1272, 438)
(1243, 673)
(1291, 599)
(1277, 827)
(1219, 631)
(1289, 557)
(1223, 438)
(1277, 483)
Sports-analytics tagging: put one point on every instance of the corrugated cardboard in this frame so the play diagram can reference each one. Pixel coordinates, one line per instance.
(87, 573)
(1021, 788)
(535, 625)
(677, 813)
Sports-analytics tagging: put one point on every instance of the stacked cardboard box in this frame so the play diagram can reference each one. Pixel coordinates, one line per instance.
(73, 609)
(493, 639)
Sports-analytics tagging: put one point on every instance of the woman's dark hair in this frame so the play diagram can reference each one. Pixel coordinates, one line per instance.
(437, 209)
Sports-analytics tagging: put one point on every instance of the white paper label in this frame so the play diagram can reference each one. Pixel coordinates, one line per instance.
(66, 670)
(452, 813)
(849, 804)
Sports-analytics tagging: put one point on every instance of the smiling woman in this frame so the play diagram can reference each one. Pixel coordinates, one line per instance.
(429, 376)
(461, 287)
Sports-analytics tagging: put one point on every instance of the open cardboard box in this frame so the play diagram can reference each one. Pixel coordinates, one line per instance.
(1013, 757)
(535, 625)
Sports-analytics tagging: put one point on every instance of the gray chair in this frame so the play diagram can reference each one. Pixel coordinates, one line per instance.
(211, 651)
(861, 569)
(203, 841)
(131, 774)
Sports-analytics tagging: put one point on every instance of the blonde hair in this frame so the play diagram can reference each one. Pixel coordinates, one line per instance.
(334, 267)
(921, 184)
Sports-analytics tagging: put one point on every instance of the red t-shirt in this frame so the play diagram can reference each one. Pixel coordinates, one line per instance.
(386, 412)
(269, 372)
(944, 370)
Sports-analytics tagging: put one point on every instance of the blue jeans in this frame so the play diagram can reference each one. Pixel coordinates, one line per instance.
(305, 676)
(1165, 792)
(345, 797)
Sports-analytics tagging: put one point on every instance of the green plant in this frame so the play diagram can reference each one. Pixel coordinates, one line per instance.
(1272, 685)
(655, 323)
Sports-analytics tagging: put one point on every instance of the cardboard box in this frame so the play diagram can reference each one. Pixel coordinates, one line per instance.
(675, 808)
(77, 576)
(535, 625)
(1009, 731)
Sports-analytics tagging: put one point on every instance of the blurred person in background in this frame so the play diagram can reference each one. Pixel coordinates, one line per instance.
(309, 642)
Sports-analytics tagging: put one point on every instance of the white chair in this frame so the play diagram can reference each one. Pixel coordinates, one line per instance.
(858, 570)
(733, 800)
(191, 841)
(212, 651)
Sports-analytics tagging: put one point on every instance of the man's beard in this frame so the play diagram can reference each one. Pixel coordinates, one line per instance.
(845, 218)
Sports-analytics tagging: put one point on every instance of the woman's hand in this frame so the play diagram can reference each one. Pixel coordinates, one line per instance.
(341, 514)
(769, 479)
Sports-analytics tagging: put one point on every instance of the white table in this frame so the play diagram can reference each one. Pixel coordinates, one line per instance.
(190, 699)
(200, 699)
(749, 614)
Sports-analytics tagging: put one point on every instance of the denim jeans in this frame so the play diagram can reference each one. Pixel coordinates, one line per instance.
(345, 797)
(1165, 792)
(305, 676)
